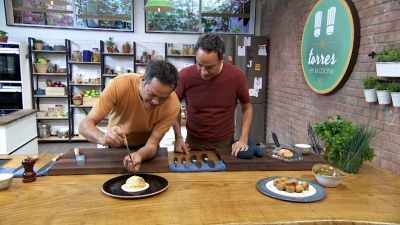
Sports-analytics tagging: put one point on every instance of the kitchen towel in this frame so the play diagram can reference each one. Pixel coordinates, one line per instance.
(219, 166)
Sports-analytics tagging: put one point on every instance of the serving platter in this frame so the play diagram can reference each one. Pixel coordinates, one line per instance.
(112, 187)
(314, 193)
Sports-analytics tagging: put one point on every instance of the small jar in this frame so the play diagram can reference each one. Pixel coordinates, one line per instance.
(51, 112)
(59, 112)
(95, 55)
(78, 79)
(76, 56)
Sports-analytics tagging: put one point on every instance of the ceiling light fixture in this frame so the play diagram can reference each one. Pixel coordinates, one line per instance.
(158, 6)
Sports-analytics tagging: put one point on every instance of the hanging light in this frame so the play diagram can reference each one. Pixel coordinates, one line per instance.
(51, 2)
(158, 6)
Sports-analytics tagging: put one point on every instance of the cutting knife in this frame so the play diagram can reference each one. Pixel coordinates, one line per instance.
(277, 145)
(49, 164)
(35, 158)
(207, 160)
(193, 158)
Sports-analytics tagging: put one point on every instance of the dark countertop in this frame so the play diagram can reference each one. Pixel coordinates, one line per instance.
(16, 116)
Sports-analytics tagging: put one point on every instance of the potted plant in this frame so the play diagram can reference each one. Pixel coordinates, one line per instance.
(3, 36)
(369, 84)
(348, 145)
(110, 44)
(41, 64)
(388, 64)
(382, 93)
(126, 47)
(394, 89)
(38, 44)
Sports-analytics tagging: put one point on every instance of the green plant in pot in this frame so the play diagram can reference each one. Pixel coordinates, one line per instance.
(3, 36)
(348, 145)
(383, 93)
(394, 89)
(388, 64)
(38, 44)
(110, 44)
(369, 84)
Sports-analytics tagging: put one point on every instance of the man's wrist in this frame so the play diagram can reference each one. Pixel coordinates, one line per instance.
(178, 137)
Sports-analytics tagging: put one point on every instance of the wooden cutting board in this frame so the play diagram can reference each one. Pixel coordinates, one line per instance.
(266, 163)
(101, 161)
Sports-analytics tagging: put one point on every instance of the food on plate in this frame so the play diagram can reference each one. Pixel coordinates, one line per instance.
(285, 153)
(290, 185)
(134, 184)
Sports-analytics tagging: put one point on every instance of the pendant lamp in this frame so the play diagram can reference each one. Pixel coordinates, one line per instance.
(158, 6)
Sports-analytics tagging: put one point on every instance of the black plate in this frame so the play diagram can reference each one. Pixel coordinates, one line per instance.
(113, 188)
(316, 193)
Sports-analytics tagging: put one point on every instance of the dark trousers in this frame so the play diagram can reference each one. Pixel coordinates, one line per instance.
(197, 144)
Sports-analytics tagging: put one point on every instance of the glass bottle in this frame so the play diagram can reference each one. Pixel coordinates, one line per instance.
(95, 55)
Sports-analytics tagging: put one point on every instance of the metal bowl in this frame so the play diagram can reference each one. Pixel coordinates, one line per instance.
(327, 175)
(5, 180)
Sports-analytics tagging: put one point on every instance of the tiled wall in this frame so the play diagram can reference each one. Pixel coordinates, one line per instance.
(291, 104)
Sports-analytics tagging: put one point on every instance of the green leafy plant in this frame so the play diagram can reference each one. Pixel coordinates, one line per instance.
(369, 82)
(394, 86)
(110, 42)
(381, 86)
(347, 145)
(41, 60)
(389, 55)
(3, 33)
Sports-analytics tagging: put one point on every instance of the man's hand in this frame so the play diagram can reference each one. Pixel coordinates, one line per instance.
(181, 146)
(113, 137)
(135, 165)
(239, 146)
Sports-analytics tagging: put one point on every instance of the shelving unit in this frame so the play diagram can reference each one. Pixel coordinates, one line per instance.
(106, 55)
(73, 86)
(36, 82)
(169, 55)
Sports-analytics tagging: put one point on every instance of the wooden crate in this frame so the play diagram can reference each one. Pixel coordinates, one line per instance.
(55, 91)
(89, 100)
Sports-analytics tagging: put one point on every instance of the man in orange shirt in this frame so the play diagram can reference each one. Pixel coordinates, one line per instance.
(140, 107)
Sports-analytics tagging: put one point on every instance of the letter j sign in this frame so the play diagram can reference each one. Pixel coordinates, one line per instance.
(330, 43)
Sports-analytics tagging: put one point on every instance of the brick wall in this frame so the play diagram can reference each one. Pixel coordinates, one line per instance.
(291, 104)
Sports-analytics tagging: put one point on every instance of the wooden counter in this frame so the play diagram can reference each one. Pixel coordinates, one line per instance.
(16, 116)
(199, 198)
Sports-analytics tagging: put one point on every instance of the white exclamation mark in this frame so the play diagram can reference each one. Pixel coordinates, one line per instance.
(330, 22)
(317, 25)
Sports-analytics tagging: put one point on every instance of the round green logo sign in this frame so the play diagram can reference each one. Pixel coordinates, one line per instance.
(330, 44)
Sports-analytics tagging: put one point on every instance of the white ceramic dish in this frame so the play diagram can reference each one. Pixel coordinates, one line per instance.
(5, 180)
(327, 175)
(303, 148)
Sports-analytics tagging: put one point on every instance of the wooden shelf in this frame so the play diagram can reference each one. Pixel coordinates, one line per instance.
(49, 51)
(110, 75)
(81, 106)
(117, 54)
(49, 74)
(50, 96)
(53, 139)
(88, 63)
(182, 56)
(72, 84)
(39, 10)
(52, 118)
(141, 64)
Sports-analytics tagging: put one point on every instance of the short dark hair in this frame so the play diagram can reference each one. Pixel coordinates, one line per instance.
(162, 70)
(211, 42)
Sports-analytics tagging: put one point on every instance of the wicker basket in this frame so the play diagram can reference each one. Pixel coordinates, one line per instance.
(78, 101)
(89, 101)
(41, 68)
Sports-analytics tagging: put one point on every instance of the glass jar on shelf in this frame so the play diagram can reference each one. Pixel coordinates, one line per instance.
(95, 55)
(76, 56)
(59, 112)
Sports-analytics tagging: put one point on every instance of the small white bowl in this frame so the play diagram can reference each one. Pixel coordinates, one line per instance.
(5, 180)
(303, 148)
(327, 175)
